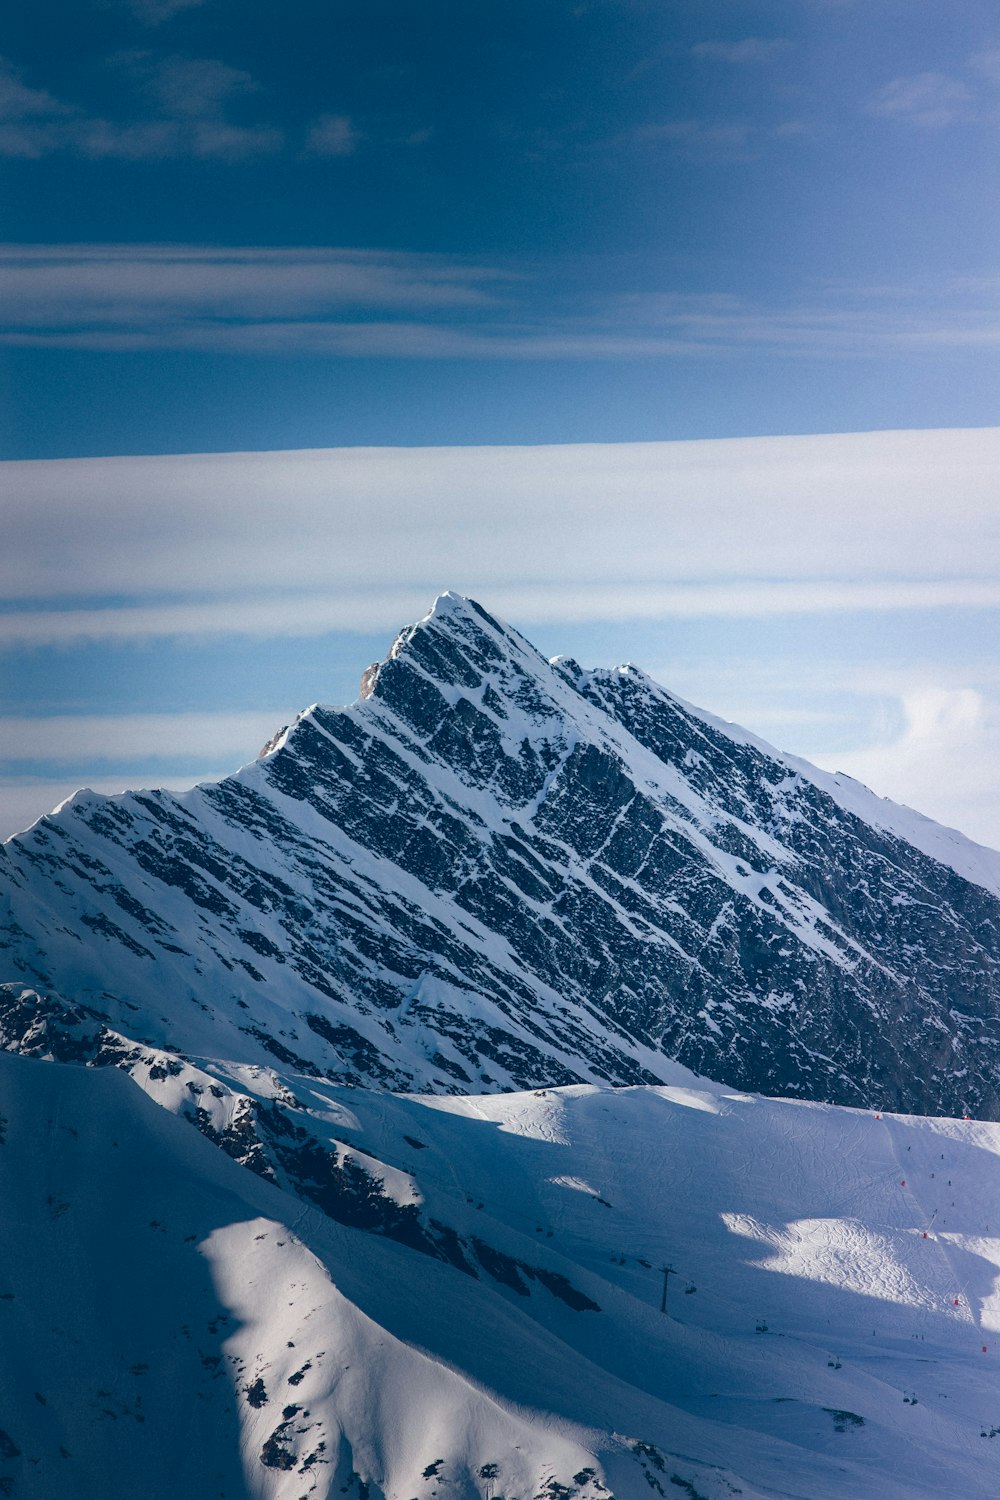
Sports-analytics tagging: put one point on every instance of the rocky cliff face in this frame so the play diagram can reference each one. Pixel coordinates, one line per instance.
(496, 871)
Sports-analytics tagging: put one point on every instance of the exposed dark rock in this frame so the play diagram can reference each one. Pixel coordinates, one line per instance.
(497, 872)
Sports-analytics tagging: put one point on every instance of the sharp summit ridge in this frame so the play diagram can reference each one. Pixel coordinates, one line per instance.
(494, 871)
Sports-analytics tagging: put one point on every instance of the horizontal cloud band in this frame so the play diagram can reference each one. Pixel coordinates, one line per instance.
(300, 616)
(126, 737)
(304, 542)
(337, 302)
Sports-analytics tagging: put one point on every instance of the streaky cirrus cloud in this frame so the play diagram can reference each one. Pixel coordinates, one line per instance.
(273, 615)
(124, 737)
(198, 544)
(698, 137)
(814, 534)
(346, 303)
(155, 288)
(155, 12)
(748, 50)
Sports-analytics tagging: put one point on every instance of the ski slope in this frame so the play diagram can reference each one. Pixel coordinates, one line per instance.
(172, 1323)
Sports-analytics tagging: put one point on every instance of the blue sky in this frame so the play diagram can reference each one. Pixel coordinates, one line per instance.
(546, 221)
(611, 222)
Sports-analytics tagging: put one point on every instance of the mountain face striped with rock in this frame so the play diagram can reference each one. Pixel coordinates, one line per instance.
(495, 871)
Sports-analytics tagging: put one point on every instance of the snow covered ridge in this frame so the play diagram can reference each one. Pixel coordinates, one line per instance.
(495, 871)
(326, 1291)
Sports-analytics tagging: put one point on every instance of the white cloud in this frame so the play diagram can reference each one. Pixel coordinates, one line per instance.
(748, 50)
(190, 97)
(305, 543)
(28, 141)
(929, 100)
(921, 730)
(697, 137)
(211, 736)
(942, 762)
(753, 526)
(301, 615)
(987, 64)
(713, 139)
(194, 87)
(374, 339)
(170, 293)
(344, 303)
(18, 101)
(333, 135)
(147, 750)
(839, 319)
(155, 12)
(182, 107)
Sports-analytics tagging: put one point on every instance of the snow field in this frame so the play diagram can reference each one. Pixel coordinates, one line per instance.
(170, 1319)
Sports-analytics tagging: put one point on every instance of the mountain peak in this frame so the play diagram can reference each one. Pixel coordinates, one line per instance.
(496, 871)
(450, 612)
(457, 614)
(451, 604)
(458, 648)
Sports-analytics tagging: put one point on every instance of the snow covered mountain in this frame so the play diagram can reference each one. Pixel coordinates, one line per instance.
(494, 871)
(386, 1297)
(237, 1260)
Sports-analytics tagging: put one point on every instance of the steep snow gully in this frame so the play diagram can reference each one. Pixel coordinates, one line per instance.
(355, 1123)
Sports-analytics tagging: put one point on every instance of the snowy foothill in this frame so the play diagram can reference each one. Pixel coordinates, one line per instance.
(832, 1323)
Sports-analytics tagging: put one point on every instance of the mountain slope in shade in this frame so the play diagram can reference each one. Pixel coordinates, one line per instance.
(390, 1297)
(495, 871)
